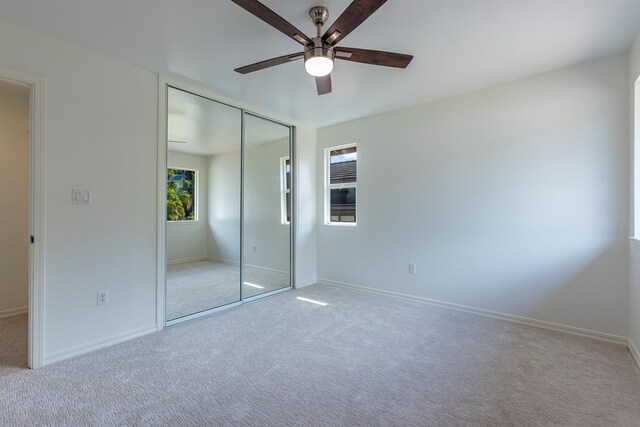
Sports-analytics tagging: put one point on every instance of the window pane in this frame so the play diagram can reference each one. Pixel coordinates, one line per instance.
(181, 198)
(343, 205)
(342, 164)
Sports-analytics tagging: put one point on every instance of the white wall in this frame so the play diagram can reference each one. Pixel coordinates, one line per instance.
(512, 198)
(634, 253)
(305, 233)
(187, 241)
(100, 134)
(224, 207)
(14, 199)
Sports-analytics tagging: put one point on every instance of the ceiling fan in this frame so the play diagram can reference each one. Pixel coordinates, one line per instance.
(320, 51)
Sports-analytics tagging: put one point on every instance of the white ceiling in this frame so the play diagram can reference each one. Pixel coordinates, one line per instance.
(459, 45)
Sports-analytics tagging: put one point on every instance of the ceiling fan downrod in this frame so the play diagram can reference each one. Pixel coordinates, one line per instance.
(319, 15)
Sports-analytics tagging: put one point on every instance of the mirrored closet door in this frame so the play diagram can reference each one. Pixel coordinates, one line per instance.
(267, 206)
(203, 204)
(228, 206)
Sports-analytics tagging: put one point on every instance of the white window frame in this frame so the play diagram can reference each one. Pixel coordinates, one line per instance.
(196, 191)
(328, 187)
(283, 189)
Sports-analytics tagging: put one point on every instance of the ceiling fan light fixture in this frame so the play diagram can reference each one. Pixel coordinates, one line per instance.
(318, 61)
(318, 66)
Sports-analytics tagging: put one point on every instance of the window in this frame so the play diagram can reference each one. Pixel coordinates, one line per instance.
(285, 190)
(340, 185)
(181, 195)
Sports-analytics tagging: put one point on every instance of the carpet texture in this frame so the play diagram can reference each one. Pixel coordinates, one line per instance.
(362, 360)
(196, 286)
(14, 344)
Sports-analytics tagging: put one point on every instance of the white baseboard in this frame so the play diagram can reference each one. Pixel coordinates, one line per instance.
(483, 312)
(223, 261)
(259, 267)
(13, 311)
(181, 261)
(59, 356)
(634, 351)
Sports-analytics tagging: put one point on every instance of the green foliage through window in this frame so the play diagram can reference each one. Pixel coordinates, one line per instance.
(181, 196)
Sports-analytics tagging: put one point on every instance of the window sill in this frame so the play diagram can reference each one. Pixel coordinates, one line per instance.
(346, 227)
(196, 222)
(635, 241)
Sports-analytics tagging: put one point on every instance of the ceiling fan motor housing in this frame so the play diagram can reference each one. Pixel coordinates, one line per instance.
(318, 48)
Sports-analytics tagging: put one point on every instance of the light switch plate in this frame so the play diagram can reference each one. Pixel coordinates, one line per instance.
(81, 197)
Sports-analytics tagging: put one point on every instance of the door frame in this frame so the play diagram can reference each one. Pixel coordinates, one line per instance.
(37, 87)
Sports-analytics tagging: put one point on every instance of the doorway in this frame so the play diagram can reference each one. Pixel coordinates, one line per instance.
(15, 99)
(20, 88)
(227, 199)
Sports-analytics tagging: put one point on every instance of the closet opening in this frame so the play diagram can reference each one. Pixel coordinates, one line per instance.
(226, 209)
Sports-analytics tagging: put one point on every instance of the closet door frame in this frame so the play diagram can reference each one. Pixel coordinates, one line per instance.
(161, 230)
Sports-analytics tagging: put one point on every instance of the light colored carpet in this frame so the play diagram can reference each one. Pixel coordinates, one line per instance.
(13, 344)
(363, 360)
(196, 286)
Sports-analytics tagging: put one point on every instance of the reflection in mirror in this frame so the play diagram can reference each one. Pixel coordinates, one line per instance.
(267, 206)
(203, 204)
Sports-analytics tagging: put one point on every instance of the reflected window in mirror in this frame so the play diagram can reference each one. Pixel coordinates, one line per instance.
(182, 194)
(285, 190)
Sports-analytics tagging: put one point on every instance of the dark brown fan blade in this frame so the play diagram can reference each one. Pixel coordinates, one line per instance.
(273, 19)
(373, 57)
(269, 63)
(355, 14)
(323, 84)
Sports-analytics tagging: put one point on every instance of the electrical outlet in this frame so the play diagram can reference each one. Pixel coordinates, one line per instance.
(103, 297)
(412, 269)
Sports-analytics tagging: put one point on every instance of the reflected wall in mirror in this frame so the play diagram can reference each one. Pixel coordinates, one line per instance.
(267, 206)
(203, 204)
